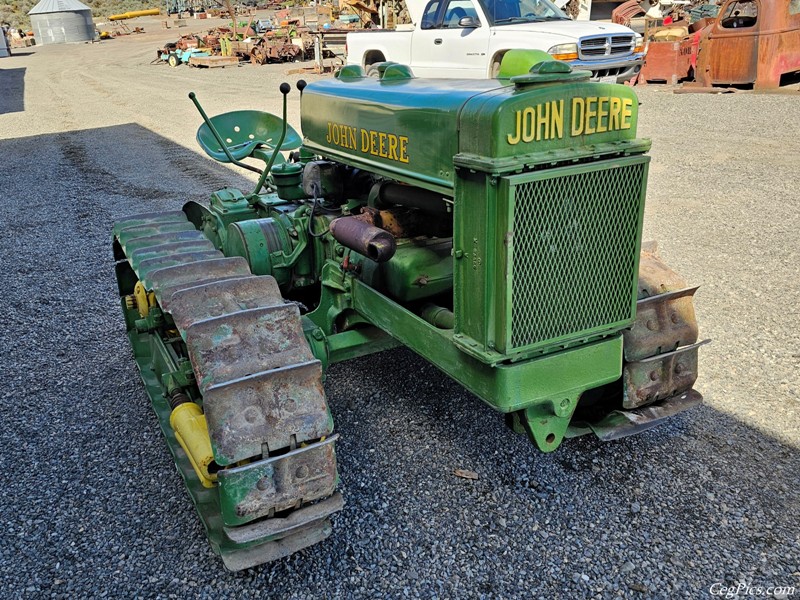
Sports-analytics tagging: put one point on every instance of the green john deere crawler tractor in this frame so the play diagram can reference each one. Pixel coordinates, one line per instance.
(494, 227)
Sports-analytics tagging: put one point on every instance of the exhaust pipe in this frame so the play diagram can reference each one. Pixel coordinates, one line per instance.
(376, 244)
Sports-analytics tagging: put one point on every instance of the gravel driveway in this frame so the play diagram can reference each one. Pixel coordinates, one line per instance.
(92, 504)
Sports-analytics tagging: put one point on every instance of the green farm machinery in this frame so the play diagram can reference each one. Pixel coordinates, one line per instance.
(493, 227)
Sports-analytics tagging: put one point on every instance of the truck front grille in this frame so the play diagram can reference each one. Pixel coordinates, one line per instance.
(575, 251)
(595, 48)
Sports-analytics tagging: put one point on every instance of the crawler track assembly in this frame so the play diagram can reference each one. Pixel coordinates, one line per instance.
(224, 360)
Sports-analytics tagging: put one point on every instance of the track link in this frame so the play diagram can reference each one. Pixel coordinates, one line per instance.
(257, 380)
(660, 353)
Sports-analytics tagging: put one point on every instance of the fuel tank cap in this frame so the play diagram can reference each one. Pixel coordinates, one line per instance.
(549, 71)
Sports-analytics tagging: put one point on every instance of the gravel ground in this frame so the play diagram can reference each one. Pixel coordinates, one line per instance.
(92, 503)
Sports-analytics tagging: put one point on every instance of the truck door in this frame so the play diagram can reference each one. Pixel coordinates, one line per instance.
(733, 43)
(443, 47)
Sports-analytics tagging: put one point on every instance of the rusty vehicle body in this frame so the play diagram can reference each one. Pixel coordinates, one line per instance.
(671, 56)
(751, 42)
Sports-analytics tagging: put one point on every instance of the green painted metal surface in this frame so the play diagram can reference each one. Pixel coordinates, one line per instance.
(547, 388)
(419, 269)
(243, 131)
(548, 259)
(412, 129)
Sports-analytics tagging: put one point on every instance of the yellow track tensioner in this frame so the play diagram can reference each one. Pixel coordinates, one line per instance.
(144, 300)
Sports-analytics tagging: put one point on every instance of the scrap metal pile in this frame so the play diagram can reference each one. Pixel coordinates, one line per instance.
(270, 45)
(287, 35)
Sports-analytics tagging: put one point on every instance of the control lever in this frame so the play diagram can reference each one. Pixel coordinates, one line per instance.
(285, 89)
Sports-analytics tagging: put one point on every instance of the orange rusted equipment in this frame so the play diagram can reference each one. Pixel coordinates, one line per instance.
(751, 42)
(671, 51)
(626, 11)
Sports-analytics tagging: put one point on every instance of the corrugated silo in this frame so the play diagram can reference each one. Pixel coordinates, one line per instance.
(61, 21)
(3, 43)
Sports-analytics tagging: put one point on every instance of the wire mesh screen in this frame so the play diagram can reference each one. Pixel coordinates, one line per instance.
(574, 253)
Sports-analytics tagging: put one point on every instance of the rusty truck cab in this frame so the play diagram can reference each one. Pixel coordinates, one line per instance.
(751, 42)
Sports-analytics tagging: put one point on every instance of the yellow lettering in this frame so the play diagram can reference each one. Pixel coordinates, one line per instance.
(352, 137)
(591, 113)
(577, 116)
(557, 119)
(373, 143)
(328, 137)
(364, 141)
(615, 106)
(403, 149)
(601, 114)
(393, 147)
(543, 122)
(627, 104)
(513, 140)
(528, 119)
(381, 145)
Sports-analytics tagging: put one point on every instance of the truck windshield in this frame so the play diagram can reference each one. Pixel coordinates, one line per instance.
(501, 12)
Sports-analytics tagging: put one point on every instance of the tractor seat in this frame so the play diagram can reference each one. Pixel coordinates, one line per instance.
(245, 132)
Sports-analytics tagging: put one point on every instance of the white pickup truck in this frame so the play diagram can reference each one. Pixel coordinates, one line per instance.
(468, 38)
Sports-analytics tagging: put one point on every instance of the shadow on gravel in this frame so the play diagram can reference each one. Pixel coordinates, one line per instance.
(126, 160)
(12, 82)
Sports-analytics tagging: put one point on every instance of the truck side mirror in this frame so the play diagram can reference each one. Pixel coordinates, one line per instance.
(469, 23)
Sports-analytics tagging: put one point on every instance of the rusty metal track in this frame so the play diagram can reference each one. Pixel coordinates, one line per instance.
(661, 347)
(262, 394)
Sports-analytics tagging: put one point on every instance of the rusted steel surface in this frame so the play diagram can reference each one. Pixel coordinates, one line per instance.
(283, 482)
(758, 45)
(262, 396)
(749, 42)
(167, 281)
(376, 244)
(663, 323)
(623, 14)
(619, 424)
(274, 49)
(162, 238)
(145, 255)
(261, 385)
(660, 348)
(668, 62)
(267, 411)
(246, 342)
(149, 219)
(177, 259)
(150, 229)
(662, 376)
(215, 299)
(291, 524)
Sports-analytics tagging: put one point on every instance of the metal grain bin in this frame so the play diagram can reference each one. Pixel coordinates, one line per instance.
(4, 51)
(61, 22)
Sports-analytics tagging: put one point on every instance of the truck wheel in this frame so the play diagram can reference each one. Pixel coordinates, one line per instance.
(372, 71)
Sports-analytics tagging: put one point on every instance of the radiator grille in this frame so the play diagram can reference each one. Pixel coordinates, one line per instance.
(574, 253)
(605, 46)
